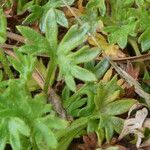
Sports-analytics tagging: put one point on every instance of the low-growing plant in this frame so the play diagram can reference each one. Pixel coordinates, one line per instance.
(101, 104)
(61, 54)
(33, 87)
(26, 122)
(127, 19)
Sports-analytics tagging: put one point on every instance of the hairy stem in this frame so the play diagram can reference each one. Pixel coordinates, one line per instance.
(51, 69)
(53, 98)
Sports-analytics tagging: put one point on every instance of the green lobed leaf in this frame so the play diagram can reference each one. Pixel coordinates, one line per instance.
(82, 74)
(34, 39)
(119, 34)
(66, 93)
(118, 107)
(75, 129)
(101, 68)
(33, 49)
(69, 80)
(58, 3)
(105, 124)
(15, 140)
(73, 38)
(54, 122)
(19, 125)
(61, 18)
(3, 26)
(117, 124)
(106, 93)
(25, 64)
(109, 131)
(100, 4)
(85, 54)
(47, 135)
(14, 137)
(27, 116)
(144, 19)
(144, 40)
(74, 108)
(36, 13)
(51, 29)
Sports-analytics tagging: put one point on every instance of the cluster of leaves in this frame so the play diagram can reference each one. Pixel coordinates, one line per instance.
(127, 18)
(101, 104)
(27, 121)
(61, 53)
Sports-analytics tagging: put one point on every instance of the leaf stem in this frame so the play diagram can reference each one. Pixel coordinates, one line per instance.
(34, 145)
(5, 64)
(134, 46)
(51, 69)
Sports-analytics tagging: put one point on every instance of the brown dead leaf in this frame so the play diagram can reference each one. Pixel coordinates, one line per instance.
(136, 107)
(135, 126)
(120, 82)
(108, 75)
(134, 72)
(114, 51)
(110, 49)
(7, 12)
(90, 142)
(69, 14)
(147, 123)
(14, 9)
(129, 92)
(80, 6)
(35, 26)
(146, 144)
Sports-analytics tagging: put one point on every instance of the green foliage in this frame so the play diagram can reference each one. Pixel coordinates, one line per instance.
(107, 109)
(100, 103)
(97, 4)
(24, 64)
(119, 34)
(127, 18)
(62, 53)
(35, 42)
(5, 64)
(27, 122)
(3, 26)
(144, 40)
(42, 13)
(80, 103)
(37, 12)
(75, 129)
